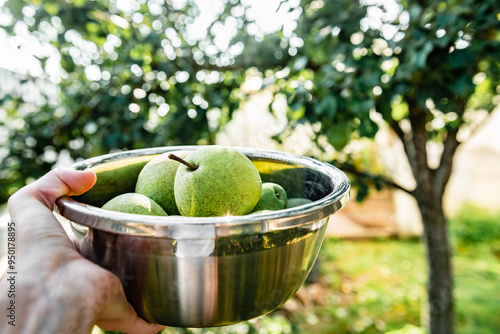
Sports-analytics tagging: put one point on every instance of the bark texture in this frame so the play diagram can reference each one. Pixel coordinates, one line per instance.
(429, 190)
(440, 282)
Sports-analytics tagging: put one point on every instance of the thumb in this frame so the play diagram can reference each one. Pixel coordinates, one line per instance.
(57, 183)
(32, 205)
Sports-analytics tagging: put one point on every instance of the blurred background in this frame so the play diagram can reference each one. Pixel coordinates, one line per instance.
(339, 80)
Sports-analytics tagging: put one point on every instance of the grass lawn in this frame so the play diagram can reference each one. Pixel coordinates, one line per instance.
(378, 286)
(372, 286)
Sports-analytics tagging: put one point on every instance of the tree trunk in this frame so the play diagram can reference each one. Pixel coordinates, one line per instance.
(430, 186)
(440, 283)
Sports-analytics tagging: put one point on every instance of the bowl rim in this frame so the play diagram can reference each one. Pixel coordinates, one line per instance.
(180, 227)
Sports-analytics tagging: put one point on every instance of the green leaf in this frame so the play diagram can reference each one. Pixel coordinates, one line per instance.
(339, 135)
(326, 107)
(51, 8)
(461, 58)
(362, 107)
(419, 58)
(383, 105)
(463, 86)
(446, 19)
(297, 111)
(367, 128)
(400, 109)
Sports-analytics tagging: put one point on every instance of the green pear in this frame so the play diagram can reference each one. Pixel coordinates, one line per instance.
(273, 197)
(216, 181)
(293, 202)
(134, 203)
(156, 181)
(113, 178)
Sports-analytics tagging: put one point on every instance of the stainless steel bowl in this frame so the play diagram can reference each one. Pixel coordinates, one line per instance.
(203, 272)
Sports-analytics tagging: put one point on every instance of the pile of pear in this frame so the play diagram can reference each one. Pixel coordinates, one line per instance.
(211, 181)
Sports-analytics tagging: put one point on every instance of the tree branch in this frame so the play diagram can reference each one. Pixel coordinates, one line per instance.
(443, 172)
(393, 184)
(352, 170)
(450, 145)
(417, 150)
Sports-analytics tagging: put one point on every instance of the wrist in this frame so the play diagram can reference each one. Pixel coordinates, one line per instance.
(43, 310)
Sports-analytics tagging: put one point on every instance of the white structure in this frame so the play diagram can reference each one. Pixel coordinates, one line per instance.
(476, 171)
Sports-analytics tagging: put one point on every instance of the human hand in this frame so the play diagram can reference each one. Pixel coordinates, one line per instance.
(57, 289)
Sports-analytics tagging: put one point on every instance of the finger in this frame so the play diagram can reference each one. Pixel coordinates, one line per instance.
(115, 312)
(57, 183)
(130, 323)
(72, 237)
(51, 186)
(31, 206)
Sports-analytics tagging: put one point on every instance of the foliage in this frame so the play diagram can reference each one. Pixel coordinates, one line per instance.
(475, 225)
(136, 77)
(420, 69)
(131, 78)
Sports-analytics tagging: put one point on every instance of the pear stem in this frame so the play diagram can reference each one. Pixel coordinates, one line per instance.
(191, 167)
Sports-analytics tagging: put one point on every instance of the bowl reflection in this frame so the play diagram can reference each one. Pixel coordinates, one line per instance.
(203, 272)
